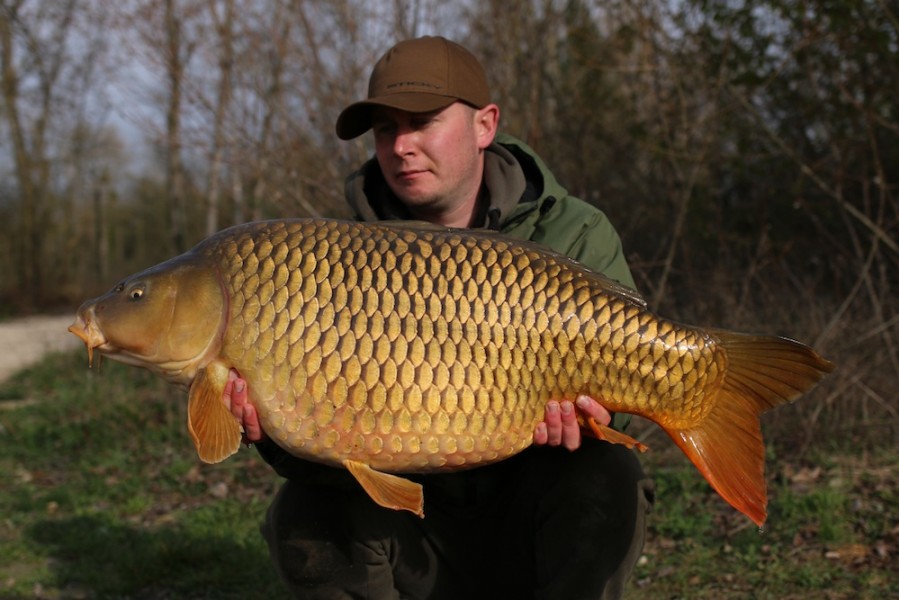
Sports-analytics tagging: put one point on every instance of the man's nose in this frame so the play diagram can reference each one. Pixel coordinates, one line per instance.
(405, 141)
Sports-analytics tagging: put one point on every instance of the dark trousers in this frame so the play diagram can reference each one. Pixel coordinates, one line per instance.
(547, 523)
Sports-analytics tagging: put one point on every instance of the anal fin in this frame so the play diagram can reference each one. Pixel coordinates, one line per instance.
(606, 433)
(388, 490)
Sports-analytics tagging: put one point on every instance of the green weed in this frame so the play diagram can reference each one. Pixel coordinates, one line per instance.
(102, 496)
(832, 532)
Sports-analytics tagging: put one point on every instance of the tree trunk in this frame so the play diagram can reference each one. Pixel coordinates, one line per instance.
(29, 271)
(174, 183)
(225, 27)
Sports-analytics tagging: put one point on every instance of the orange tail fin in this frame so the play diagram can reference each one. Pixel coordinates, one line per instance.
(727, 448)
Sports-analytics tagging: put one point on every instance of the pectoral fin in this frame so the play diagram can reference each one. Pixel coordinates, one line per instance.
(388, 490)
(215, 431)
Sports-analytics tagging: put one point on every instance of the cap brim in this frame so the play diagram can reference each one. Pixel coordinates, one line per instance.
(356, 118)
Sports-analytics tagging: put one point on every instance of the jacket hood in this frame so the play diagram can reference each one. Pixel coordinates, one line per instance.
(515, 179)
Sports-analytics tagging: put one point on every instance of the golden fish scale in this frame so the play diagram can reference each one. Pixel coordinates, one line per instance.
(419, 350)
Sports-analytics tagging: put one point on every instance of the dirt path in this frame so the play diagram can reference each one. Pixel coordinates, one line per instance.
(24, 341)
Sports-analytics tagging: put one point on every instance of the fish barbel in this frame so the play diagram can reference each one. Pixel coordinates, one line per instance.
(393, 348)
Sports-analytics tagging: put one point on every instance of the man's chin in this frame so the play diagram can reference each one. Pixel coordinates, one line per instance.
(415, 198)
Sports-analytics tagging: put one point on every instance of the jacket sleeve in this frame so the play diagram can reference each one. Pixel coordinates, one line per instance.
(598, 246)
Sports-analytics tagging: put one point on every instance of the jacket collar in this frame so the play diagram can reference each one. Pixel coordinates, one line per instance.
(504, 186)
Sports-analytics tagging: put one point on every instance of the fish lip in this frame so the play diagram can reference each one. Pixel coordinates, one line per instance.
(88, 332)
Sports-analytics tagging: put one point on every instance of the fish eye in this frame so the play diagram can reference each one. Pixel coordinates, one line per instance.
(136, 293)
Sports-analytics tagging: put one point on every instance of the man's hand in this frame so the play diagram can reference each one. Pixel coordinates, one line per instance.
(560, 427)
(235, 397)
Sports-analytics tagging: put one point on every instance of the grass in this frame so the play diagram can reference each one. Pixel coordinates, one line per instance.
(832, 532)
(101, 496)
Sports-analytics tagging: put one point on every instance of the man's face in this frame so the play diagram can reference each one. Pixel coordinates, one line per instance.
(433, 161)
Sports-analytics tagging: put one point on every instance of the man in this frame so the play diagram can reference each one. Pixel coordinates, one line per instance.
(548, 523)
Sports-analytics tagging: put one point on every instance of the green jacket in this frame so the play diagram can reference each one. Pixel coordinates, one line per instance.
(524, 200)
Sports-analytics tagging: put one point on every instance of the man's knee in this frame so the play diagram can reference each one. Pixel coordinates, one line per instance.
(318, 551)
(590, 506)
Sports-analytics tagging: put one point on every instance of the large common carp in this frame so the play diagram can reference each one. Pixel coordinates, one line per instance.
(404, 347)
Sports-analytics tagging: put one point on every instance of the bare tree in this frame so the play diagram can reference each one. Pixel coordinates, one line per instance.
(47, 66)
(29, 157)
(224, 24)
(164, 46)
(176, 51)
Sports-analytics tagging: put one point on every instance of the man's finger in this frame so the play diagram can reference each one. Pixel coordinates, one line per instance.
(571, 431)
(594, 409)
(227, 396)
(553, 420)
(252, 429)
(540, 435)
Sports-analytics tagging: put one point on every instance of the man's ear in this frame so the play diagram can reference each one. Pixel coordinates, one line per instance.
(486, 122)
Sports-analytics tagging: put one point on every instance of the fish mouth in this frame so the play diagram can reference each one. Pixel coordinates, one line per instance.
(89, 333)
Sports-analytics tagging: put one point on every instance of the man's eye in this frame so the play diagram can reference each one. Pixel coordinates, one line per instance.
(382, 128)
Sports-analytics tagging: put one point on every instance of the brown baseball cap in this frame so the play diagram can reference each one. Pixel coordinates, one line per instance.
(419, 75)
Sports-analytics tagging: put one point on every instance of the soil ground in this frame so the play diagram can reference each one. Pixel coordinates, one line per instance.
(24, 341)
